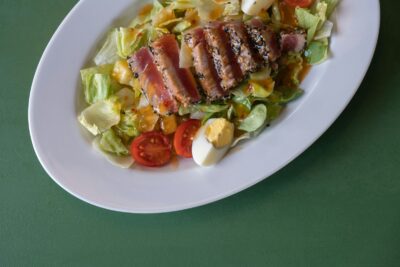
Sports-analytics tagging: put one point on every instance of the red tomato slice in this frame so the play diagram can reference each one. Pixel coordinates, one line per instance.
(152, 149)
(300, 3)
(184, 137)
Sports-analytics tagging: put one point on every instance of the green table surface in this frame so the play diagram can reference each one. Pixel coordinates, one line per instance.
(338, 204)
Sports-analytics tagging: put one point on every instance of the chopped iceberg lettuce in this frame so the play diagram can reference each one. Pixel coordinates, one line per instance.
(124, 162)
(101, 116)
(108, 53)
(111, 143)
(97, 83)
(128, 125)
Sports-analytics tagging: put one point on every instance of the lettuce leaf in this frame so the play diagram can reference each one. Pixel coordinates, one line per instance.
(331, 5)
(255, 120)
(124, 162)
(143, 17)
(97, 83)
(111, 143)
(317, 51)
(127, 126)
(307, 21)
(325, 31)
(274, 110)
(182, 26)
(127, 98)
(312, 21)
(207, 9)
(108, 53)
(101, 116)
(129, 40)
(285, 95)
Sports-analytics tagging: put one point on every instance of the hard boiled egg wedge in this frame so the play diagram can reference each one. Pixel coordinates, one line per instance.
(212, 142)
(254, 7)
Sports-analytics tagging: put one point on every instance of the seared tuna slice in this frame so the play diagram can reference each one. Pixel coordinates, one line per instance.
(264, 39)
(240, 43)
(226, 66)
(203, 64)
(151, 81)
(293, 41)
(179, 81)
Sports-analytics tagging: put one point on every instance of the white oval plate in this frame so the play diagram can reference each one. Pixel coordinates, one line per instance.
(65, 151)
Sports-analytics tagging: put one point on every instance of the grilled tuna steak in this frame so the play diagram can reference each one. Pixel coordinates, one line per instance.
(240, 43)
(264, 39)
(226, 66)
(151, 81)
(293, 41)
(203, 64)
(179, 81)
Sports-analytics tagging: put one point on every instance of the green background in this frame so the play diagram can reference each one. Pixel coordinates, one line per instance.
(338, 204)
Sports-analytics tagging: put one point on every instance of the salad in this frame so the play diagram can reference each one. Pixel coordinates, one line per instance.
(193, 78)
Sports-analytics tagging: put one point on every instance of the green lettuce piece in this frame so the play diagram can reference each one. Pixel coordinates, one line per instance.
(317, 51)
(274, 110)
(307, 21)
(296, 60)
(206, 108)
(255, 120)
(128, 125)
(101, 116)
(130, 40)
(331, 5)
(111, 143)
(242, 91)
(108, 53)
(182, 26)
(287, 94)
(212, 108)
(249, 135)
(182, 4)
(157, 8)
(325, 31)
(97, 83)
(230, 112)
(245, 101)
(207, 9)
(320, 11)
(141, 20)
(124, 162)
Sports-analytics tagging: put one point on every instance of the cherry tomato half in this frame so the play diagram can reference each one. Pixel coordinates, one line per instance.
(152, 149)
(299, 3)
(184, 137)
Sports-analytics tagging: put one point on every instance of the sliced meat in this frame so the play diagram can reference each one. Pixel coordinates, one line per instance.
(179, 81)
(194, 37)
(264, 39)
(241, 47)
(225, 64)
(203, 64)
(293, 41)
(151, 81)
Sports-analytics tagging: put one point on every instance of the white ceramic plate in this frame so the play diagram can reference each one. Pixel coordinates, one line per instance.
(65, 151)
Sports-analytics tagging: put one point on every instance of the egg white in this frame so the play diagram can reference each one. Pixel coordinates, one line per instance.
(204, 153)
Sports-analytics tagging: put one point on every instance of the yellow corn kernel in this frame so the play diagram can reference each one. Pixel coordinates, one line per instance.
(122, 73)
(169, 124)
